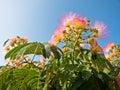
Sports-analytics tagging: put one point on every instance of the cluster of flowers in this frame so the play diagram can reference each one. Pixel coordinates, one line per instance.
(112, 52)
(15, 41)
(73, 22)
(26, 60)
(18, 63)
(11, 43)
(70, 21)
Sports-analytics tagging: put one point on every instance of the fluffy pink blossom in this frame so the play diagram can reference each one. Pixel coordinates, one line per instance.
(13, 40)
(109, 46)
(102, 29)
(57, 36)
(73, 20)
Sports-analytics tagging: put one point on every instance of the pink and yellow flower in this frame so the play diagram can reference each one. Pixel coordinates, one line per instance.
(110, 57)
(13, 40)
(108, 53)
(42, 62)
(74, 20)
(109, 46)
(102, 29)
(57, 36)
(25, 40)
(7, 48)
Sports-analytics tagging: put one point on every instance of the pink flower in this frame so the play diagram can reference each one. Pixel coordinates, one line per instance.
(25, 40)
(108, 54)
(57, 36)
(42, 62)
(73, 20)
(13, 40)
(7, 48)
(109, 46)
(9, 62)
(102, 29)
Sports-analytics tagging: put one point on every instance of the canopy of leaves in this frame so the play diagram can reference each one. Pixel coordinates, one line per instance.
(71, 67)
(84, 71)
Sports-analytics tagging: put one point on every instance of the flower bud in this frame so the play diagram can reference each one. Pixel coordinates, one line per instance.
(65, 49)
(7, 48)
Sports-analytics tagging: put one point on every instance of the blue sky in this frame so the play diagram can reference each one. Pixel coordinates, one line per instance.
(37, 19)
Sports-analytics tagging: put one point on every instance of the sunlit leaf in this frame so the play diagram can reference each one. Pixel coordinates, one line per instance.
(24, 49)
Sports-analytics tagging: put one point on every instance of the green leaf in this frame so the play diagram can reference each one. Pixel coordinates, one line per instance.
(5, 77)
(57, 52)
(5, 42)
(77, 83)
(86, 74)
(24, 49)
(25, 78)
(47, 49)
(54, 49)
(33, 48)
(116, 62)
(99, 62)
(13, 52)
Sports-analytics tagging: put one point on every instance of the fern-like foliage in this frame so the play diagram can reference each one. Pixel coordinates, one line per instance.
(26, 78)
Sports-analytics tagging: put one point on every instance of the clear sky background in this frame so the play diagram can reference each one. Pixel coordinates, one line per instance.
(37, 19)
